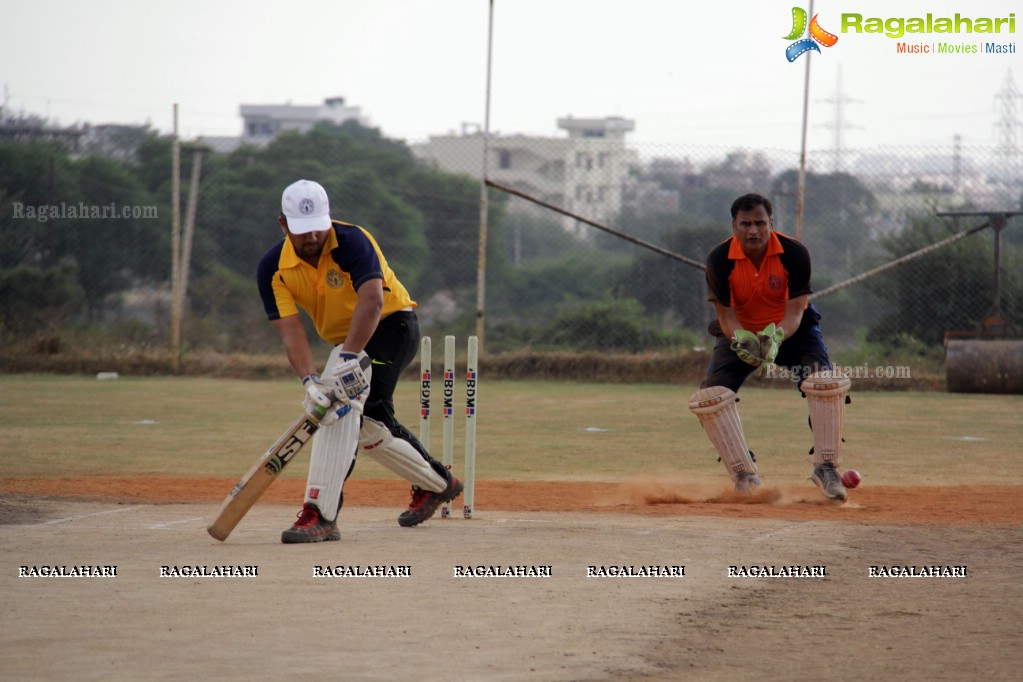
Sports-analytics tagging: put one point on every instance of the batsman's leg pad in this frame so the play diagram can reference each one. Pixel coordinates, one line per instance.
(825, 395)
(716, 410)
(335, 447)
(399, 456)
(332, 460)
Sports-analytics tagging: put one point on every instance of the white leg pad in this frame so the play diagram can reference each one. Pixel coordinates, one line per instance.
(825, 395)
(715, 407)
(333, 454)
(399, 456)
(332, 459)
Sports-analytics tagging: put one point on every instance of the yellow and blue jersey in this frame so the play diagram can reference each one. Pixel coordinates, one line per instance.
(328, 292)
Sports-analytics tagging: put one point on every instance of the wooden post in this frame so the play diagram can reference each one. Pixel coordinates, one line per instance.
(186, 248)
(175, 246)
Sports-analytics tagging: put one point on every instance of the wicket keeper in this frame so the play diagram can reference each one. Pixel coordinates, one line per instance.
(759, 284)
(337, 274)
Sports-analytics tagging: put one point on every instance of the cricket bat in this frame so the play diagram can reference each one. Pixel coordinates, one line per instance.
(264, 472)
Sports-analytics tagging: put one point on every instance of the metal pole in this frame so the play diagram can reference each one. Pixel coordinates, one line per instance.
(599, 226)
(995, 316)
(481, 266)
(801, 186)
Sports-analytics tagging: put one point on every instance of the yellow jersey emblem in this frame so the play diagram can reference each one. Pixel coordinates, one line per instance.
(334, 280)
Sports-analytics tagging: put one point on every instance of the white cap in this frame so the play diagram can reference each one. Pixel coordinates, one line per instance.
(305, 205)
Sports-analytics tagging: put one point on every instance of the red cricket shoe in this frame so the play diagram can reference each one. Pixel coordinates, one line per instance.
(425, 502)
(310, 527)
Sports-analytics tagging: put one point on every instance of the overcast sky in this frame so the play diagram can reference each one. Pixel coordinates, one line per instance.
(708, 73)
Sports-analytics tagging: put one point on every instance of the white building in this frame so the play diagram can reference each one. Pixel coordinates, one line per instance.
(584, 173)
(263, 121)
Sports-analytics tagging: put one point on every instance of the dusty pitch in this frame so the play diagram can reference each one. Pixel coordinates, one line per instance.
(285, 622)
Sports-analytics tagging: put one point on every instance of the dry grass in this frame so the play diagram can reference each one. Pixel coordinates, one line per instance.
(667, 367)
(65, 426)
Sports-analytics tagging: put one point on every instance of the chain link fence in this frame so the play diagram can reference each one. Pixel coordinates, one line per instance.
(86, 223)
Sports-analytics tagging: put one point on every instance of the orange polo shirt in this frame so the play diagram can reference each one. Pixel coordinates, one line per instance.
(758, 295)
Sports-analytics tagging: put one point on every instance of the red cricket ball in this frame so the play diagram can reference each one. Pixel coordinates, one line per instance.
(851, 478)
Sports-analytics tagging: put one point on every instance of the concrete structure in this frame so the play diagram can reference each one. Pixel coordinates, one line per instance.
(585, 173)
(26, 128)
(264, 121)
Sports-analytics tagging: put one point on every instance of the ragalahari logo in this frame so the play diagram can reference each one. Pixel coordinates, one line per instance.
(818, 36)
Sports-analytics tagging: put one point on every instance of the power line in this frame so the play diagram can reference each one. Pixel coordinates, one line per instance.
(1008, 126)
(839, 124)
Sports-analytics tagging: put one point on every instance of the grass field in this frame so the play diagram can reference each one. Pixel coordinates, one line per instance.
(70, 426)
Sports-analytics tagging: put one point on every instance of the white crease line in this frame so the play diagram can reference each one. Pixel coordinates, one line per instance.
(54, 522)
(779, 531)
(171, 523)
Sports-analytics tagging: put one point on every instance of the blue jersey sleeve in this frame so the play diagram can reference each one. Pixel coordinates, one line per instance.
(355, 255)
(265, 272)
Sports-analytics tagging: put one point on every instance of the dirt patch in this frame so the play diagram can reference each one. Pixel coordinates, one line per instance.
(956, 505)
(15, 512)
(705, 626)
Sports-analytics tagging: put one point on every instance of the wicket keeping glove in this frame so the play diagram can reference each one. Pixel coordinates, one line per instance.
(747, 346)
(770, 341)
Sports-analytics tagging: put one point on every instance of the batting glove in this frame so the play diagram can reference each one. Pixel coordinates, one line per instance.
(334, 413)
(348, 381)
(316, 403)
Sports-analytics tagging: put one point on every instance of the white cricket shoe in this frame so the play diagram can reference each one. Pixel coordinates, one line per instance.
(828, 480)
(746, 483)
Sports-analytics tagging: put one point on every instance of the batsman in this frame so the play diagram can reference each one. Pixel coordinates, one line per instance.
(336, 273)
(759, 283)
